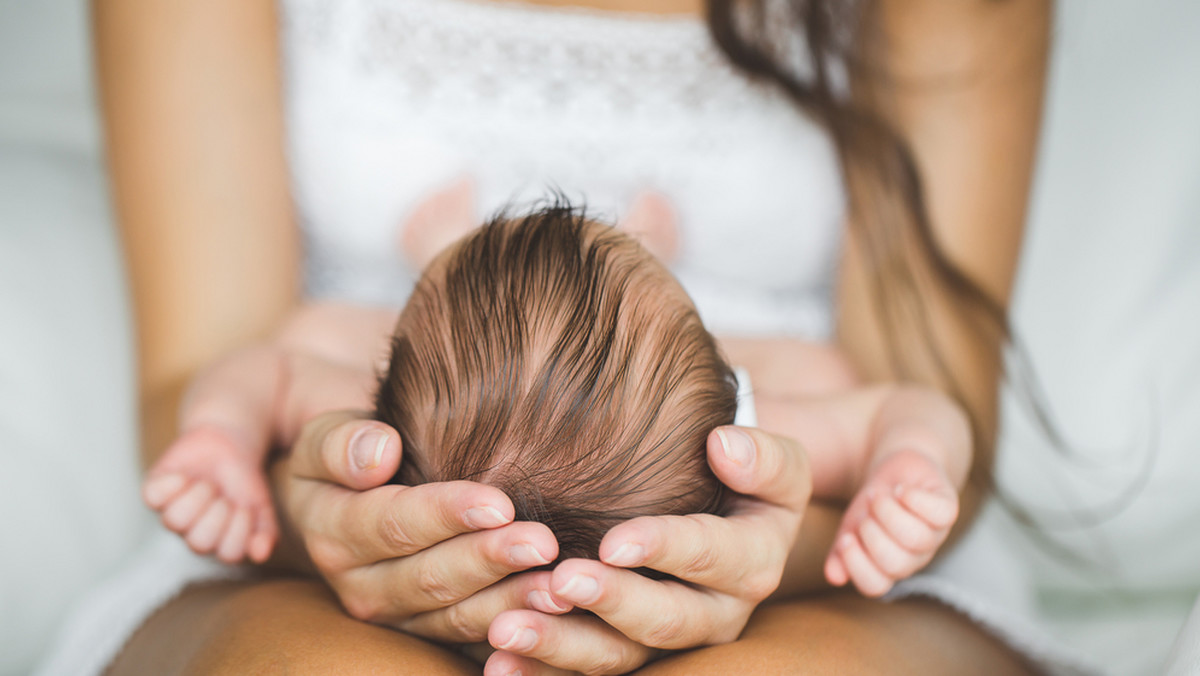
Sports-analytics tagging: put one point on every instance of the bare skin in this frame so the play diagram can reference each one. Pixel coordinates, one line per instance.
(164, 76)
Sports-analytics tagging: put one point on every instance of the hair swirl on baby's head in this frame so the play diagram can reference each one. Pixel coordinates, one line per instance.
(554, 358)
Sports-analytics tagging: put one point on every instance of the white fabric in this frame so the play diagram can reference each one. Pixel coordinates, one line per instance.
(391, 100)
(69, 512)
(1109, 303)
(747, 414)
(107, 617)
(1184, 659)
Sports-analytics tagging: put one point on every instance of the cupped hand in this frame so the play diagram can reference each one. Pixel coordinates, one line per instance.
(725, 567)
(427, 558)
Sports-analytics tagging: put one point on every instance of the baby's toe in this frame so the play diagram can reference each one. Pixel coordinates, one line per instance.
(868, 578)
(906, 528)
(888, 556)
(835, 570)
(937, 510)
(181, 512)
(159, 490)
(232, 548)
(265, 532)
(208, 529)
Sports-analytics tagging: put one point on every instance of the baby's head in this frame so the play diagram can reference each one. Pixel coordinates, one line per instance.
(554, 358)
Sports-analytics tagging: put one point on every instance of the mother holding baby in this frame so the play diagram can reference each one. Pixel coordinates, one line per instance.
(850, 172)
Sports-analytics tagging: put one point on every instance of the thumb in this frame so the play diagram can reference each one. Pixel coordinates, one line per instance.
(346, 448)
(759, 464)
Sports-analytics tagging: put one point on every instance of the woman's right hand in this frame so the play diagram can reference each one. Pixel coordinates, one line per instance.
(433, 559)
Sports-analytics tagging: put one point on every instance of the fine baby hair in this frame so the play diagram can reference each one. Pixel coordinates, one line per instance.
(553, 357)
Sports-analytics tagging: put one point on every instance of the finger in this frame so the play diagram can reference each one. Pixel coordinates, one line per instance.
(739, 554)
(659, 614)
(869, 580)
(392, 591)
(756, 463)
(939, 511)
(888, 556)
(835, 570)
(501, 663)
(159, 490)
(182, 512)
(467, 621)
(347, 530)
(343, 448)
(233, 544)
(911, 532)
(206, 532)
(573, 642)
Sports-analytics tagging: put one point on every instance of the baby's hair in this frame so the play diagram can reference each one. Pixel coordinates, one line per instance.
(552, 357)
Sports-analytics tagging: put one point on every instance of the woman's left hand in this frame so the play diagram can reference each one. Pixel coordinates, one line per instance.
(728, 566)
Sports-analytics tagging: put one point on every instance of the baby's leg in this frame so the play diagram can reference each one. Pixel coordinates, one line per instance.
(210, 485)
(894, 524)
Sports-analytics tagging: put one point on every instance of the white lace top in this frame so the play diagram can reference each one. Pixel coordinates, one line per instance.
(393, 102)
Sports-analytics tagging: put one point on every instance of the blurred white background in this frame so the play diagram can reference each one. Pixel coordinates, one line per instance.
(1108, 303)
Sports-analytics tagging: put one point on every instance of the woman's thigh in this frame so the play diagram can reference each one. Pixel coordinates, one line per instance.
(275, 627)
(846, 634)
(297, 627)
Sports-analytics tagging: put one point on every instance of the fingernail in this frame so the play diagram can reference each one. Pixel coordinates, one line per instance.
(525, 554)
(738, 445)
(540, 599)
(522, 639)
(484, 517)
(582, 589)
(628, 554)
(367, 448)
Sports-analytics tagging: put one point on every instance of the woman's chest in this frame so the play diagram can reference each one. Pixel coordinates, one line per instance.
(396, 108)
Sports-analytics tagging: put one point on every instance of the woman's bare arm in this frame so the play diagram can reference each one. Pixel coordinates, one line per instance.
(190, 94)
(969, 82)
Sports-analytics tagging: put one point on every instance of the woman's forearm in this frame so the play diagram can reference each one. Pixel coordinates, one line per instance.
(192, 117)
(805, 570)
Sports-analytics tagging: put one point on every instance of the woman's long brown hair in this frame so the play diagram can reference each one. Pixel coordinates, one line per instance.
(887, 213)
(842, 88)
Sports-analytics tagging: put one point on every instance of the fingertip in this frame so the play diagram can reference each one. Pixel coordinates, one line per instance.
(503, 663)
(514, 630)
(542, 600)
(158, 491)
(183, 510)
(372, 454)
(260, 546)
(835, 570)
(731, 454)
(938, 510)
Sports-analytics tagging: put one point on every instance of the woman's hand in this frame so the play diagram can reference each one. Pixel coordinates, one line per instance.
(433, 559)
(727, 565)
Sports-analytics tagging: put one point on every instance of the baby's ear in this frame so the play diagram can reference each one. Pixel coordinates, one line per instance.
(652, 222)
(438, 221)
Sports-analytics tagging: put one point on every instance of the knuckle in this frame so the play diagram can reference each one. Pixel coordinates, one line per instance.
(666, 631)
(326, 554)
(608, 663)
(432, 583)
(760, 585)
(698, 561)
(460, 625)
(395, 534)
(360, 606)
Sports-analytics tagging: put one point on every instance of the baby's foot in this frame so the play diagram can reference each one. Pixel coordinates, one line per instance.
(214, 494)
(894, 525)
